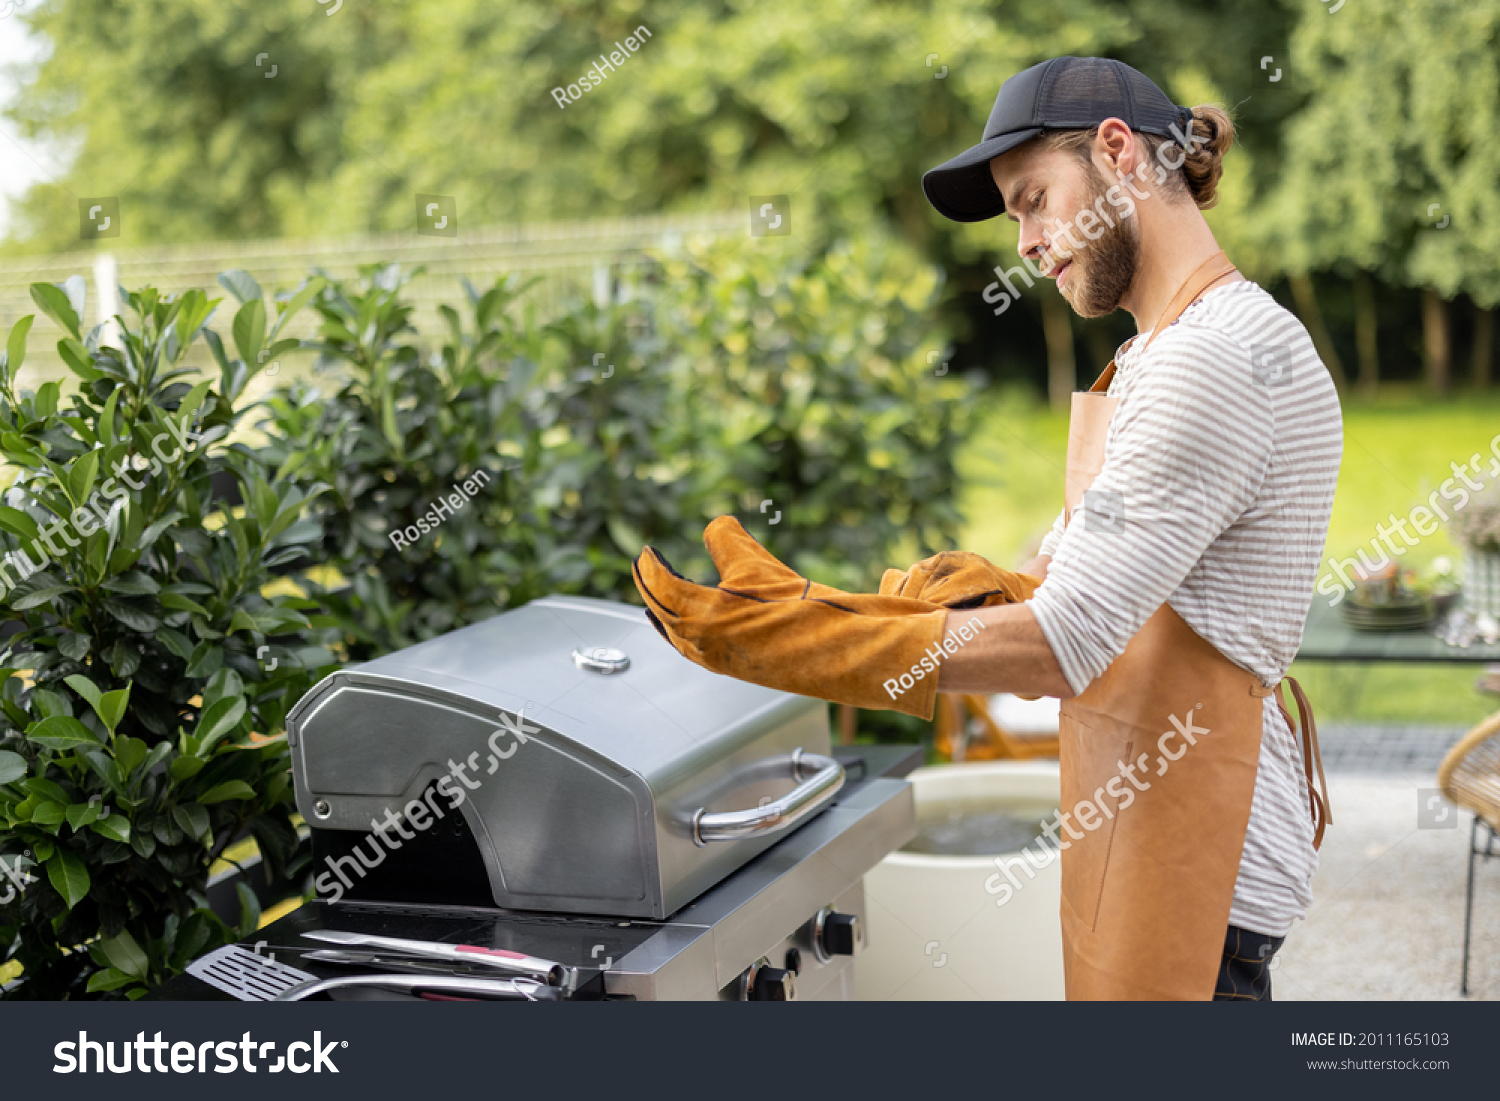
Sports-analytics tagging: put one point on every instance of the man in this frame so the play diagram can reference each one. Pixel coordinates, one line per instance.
(1174, 585)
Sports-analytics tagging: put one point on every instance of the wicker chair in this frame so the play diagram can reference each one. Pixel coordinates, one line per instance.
(1470, 777)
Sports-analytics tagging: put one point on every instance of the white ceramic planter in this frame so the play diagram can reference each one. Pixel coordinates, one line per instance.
(1482, 582)
(935, 932)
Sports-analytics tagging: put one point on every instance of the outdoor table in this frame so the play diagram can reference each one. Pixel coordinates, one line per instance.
(1326, 637)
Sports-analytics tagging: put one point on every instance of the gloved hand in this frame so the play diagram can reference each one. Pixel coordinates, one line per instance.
(766, 624)
(958, 579)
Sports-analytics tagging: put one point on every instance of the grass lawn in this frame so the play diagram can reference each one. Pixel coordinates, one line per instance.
(1397, 450)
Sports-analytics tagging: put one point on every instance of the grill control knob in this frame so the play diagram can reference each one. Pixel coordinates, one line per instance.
(838, 934)
(771, 984)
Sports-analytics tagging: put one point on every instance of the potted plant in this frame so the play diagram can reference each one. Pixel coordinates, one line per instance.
(1477, 529)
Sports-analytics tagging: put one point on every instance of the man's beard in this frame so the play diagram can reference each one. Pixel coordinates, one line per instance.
(1105, 267)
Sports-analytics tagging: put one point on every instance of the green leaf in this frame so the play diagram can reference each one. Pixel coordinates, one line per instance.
(206, 660)
(117, 828)
(124, 659)
(39, 596)
(196, 306)
(48, 813)
(77, 357)
(53, 301)
(184, 769)
(232, 789)
(69, 876)
(300, 299)
(48, 703)
(241, 284)
(46, 399)
(48, 789)
(189, 404)
(153, 533)
(249, 909)
(133, 583)
(83, 814)
(73, 645)
(130, 752)
(107, 417)
(249, 330)
(217, 721)
(111, 707)
(626, 537)
(105, 768)
(126, 955)
(17, 522)
(192, 818)
(179, 603)
(175, 641)
(12, 766)
(108, 979)
(76, 287)
(85, 688)
(159, 753)
(15, 344)
(388, 421)
(62, 733)
(133, 618)
(81, 477)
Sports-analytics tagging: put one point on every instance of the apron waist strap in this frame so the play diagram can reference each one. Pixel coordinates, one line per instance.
(1322, 809)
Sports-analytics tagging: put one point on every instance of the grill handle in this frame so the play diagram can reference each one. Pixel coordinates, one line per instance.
(804, 799)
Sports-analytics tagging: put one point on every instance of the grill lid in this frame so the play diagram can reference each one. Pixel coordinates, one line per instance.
(598, 771)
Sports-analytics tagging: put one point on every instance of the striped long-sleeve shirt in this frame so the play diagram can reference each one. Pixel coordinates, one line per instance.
(1224, 451)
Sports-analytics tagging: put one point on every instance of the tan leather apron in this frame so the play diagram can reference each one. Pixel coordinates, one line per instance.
(1158, 759)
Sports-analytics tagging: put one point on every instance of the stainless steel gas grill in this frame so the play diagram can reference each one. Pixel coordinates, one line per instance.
(558, 784)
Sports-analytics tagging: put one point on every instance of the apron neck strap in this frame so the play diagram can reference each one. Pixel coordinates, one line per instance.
(1203, 276)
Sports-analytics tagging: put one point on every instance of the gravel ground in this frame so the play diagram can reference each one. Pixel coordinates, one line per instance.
(1387, 919)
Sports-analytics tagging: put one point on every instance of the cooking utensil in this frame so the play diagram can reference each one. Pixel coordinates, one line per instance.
(517, 989)
(548, 972)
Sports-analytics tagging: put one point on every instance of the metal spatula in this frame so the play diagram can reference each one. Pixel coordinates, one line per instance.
(248, 976)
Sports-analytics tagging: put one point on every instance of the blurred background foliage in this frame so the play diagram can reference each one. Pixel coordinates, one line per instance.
(1363, 126)
(720, 384)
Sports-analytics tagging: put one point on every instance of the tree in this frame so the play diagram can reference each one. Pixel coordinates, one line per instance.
(1390, 166)
(842, 105)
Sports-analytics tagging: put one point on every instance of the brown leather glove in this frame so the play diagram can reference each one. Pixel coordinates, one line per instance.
(766, 624)
(958, 579)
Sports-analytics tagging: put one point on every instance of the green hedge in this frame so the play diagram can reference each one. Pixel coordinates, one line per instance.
(728, 377)
(158, 646)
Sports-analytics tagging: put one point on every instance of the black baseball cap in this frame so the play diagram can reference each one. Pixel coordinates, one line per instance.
(1066, 93)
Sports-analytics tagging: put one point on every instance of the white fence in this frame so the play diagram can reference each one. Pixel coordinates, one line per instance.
(573, 258)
